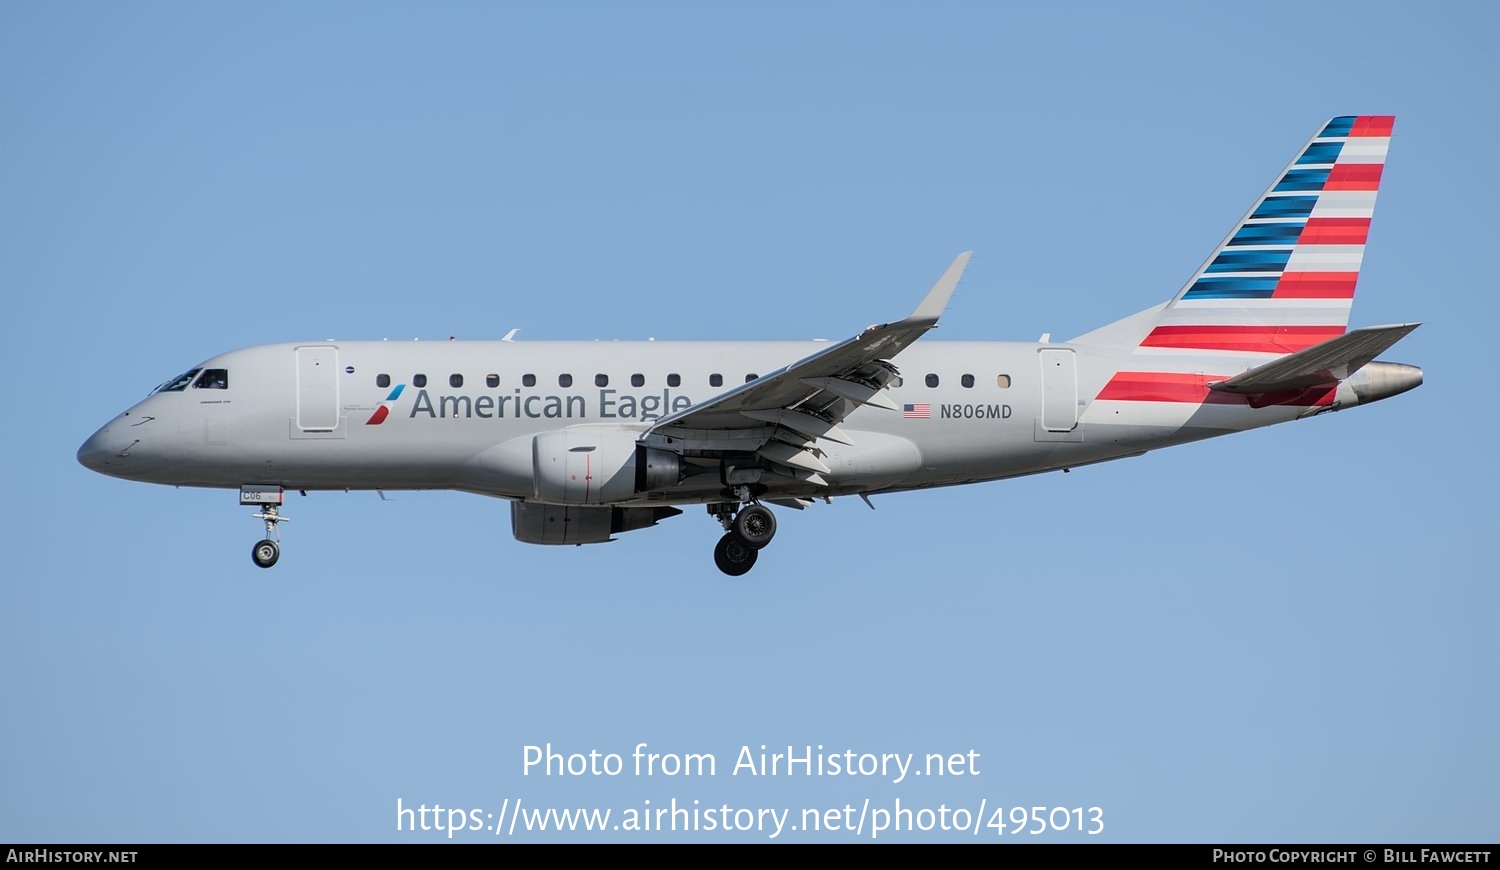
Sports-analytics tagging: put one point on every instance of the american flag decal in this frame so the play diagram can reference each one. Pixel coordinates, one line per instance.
(920, 411)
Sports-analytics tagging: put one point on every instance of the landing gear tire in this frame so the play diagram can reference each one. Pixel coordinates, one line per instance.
(265, 553)
(733, 556)
(755, 526)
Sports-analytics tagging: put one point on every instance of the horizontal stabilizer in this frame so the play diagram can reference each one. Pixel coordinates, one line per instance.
(1322, 364)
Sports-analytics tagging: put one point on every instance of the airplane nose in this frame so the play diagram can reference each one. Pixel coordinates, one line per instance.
(100, 451)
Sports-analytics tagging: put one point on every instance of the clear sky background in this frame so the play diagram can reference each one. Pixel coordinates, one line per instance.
(1284, 635)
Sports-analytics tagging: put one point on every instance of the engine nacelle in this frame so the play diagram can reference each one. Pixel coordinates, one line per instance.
(585, 465)
(563, 524)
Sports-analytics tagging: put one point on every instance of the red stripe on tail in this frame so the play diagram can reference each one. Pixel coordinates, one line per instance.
(1335, 231)
(1316, 285)
(1354, 176)
(1373, 125)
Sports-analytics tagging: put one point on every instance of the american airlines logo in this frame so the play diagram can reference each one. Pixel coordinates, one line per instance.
(385, 407)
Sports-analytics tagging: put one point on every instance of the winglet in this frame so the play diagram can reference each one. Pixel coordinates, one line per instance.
(936, 300)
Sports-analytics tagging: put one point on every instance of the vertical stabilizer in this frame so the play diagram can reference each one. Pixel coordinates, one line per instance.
(1284, 278)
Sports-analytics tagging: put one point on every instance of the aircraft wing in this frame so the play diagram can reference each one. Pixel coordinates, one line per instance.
(781, 415)
(1322, 364)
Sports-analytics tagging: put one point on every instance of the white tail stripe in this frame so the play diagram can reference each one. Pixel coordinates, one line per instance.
(1363, 150)
(1345, 204)
(1326, 258)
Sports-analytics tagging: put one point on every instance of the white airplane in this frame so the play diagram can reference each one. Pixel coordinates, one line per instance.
(590, 439)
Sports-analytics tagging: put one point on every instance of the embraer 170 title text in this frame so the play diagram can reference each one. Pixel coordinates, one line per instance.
(591, 439)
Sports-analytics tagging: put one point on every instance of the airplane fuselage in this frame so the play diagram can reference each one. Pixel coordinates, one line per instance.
(315, 416)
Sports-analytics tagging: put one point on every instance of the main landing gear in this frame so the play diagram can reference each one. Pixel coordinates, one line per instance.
(746, 532)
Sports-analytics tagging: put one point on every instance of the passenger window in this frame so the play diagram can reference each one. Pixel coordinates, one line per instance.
(455, 381)
(713, 381)
(601, 380)
(932, 380)
(637, 380)
(749, 378)
(492, 380)
(565, 380)
(382, 381)
(1002, 381)
(213, 379)
(967, 381)
(419, 381)
(674, 380)
(528, 380)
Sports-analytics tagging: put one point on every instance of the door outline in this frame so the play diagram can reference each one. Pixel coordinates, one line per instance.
(318, 388)
(1059, 389)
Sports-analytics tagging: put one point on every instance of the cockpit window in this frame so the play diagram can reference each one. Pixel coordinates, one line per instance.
(179, 383)
(212, 379)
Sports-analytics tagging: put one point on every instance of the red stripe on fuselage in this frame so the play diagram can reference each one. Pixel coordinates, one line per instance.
(1189, 388)
(1166, 387)
(378, 417)
(1250, 339)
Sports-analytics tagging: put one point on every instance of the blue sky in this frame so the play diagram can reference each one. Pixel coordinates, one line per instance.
(1285, 635)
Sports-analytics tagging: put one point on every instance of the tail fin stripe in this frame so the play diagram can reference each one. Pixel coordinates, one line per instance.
(1338, 127)
(1335, 231)
(1232, 288)
(1316, 285)
(1365, 151)
(1302, 179)
(1251, 261)
(1321, 153)
(1285, 207)
(1326, 258)
(1281, 233)
(1354, 176)
(1373, 125)
(1345, 203)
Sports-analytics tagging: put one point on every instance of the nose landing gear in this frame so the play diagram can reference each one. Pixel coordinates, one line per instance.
(265, 553)
(268, 498)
